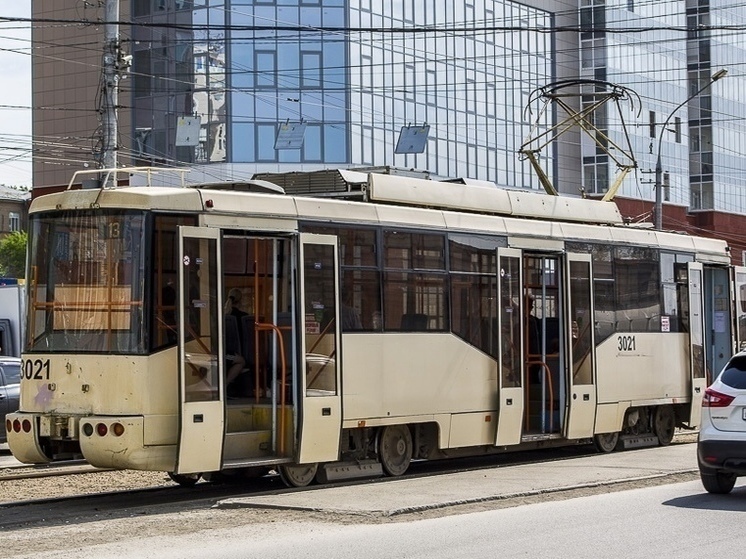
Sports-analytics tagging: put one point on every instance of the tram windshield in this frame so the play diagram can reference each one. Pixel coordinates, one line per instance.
(86, 282)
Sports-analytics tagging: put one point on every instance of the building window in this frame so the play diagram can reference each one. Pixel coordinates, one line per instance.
(651, 121)
(14, 221)
(310, 69)
(265, 63)
(677, 129)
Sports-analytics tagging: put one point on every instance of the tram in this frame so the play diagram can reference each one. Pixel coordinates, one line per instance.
(339, 324)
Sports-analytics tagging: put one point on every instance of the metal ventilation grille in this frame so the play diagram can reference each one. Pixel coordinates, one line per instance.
(316, 183)
(348, 183)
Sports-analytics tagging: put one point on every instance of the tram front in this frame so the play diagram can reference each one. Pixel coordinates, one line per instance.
(99, 367)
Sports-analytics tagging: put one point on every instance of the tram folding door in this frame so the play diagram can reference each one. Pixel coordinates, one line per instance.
(738, 296)
(320, 389)
(581, 414)
(696, 342)
(201, 418)
(510, 364)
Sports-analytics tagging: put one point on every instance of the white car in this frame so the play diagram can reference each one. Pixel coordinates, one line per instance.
(721, 446)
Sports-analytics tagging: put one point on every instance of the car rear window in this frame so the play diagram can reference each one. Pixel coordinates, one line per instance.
(734, 374)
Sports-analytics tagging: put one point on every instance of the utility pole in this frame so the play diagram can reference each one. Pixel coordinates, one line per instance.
(109, 131)
(658, 213)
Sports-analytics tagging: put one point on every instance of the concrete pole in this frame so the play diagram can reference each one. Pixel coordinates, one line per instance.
(109, 132)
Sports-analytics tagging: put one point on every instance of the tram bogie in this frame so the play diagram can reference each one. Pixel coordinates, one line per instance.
(327, 339)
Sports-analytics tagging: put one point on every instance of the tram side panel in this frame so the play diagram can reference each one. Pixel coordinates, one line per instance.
(416, 378)
(640, 369)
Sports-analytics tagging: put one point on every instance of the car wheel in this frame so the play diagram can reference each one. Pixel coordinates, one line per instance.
(719, 483)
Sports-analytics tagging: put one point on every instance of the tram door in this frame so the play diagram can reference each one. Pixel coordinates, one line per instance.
(320, 388)
(510, 377)
(739, 298)
(581, 413)
(200, 352)
(696, 342)
(717, 319)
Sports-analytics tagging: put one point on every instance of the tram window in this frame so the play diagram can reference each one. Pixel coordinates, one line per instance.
(418, 251)
(673, 288)
(474, 310)
(164, 261)
(361, 292)
(357, 247)
(473, 253)
(89, 269)
(638, 295)
(415, 301)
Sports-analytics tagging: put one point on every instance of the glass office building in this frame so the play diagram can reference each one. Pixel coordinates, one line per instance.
(345, 76)
(667, 52)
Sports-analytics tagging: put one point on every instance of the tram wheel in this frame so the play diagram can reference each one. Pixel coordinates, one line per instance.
(606, 442)
(395, 449)
(298, 475)
(664, 424)
(185, 480)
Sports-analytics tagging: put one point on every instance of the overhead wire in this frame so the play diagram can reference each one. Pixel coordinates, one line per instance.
(326, 29)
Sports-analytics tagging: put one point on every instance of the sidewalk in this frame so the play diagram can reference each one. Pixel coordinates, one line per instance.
(410, 495)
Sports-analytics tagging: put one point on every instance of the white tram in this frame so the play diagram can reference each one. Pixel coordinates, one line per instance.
(388, 320)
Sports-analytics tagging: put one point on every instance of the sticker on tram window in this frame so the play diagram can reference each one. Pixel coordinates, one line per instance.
(35, 369)
(626, 343)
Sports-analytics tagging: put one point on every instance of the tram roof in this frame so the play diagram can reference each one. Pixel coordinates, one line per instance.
(402, 201)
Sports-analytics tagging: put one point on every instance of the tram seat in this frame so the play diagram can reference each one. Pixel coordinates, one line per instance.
(414, 322)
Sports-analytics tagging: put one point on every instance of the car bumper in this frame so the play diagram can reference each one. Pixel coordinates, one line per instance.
(722, 455)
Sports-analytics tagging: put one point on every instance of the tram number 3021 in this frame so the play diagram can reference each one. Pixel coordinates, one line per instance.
(626, 343)
(35, 369)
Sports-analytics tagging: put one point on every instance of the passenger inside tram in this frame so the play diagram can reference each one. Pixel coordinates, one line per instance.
(234, 340)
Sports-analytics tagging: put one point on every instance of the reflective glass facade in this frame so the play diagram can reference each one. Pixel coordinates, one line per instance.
(353, 90)
(702, 143)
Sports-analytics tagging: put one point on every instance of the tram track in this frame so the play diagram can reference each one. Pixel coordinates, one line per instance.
(82, 493)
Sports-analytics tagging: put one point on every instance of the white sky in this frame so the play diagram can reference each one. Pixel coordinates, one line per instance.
(15, 89)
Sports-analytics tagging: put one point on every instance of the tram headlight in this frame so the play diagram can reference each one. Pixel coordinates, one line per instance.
(87, 429)
(102, 429)
(117, 429)
(26, 425)
(16, 426)
(8, 425)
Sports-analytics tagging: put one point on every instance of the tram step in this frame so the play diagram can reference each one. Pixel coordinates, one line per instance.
(251, 417)
(247, 444)
(638, 441)
(349, 470)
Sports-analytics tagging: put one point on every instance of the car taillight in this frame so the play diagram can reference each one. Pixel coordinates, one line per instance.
(714, 399)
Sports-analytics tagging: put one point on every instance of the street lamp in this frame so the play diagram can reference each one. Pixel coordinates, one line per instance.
(658, 167)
